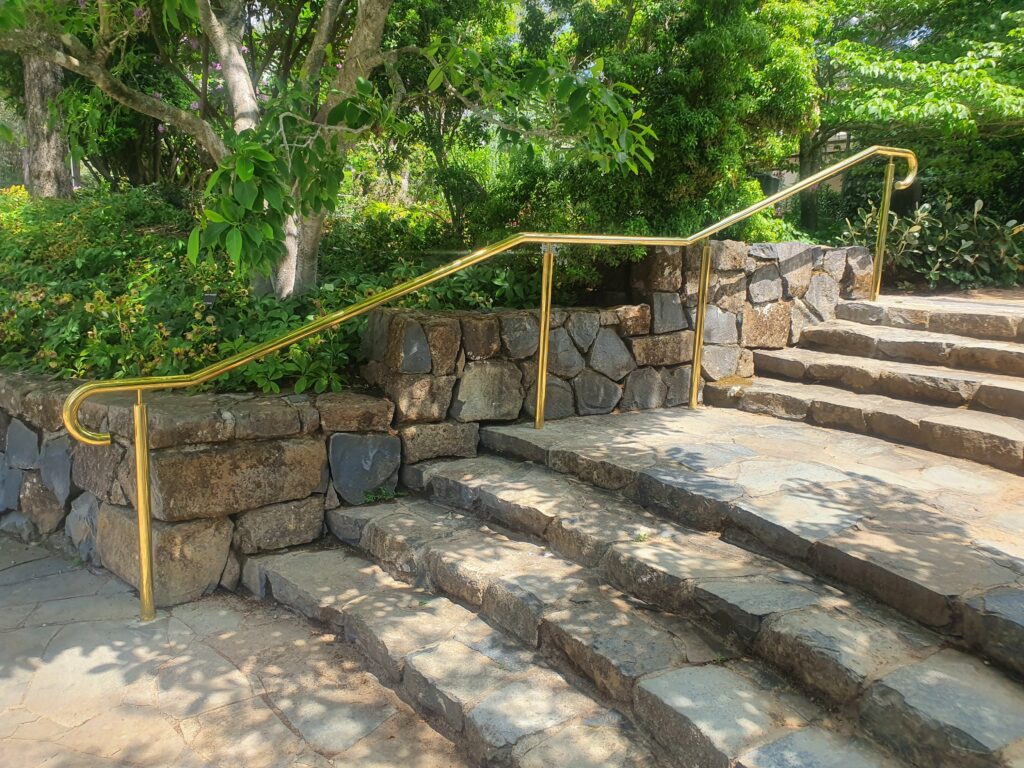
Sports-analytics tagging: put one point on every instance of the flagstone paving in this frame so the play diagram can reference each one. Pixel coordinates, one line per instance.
(220, 682)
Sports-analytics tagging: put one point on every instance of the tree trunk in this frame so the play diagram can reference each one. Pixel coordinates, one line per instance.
(809, 197)
(48, 170)
(295, 273)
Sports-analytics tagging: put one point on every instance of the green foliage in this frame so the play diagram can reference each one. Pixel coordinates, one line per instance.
(945, 245)
(100, 286)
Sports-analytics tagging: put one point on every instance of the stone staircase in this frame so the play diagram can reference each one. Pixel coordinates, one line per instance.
(946, 375)
(712, 588)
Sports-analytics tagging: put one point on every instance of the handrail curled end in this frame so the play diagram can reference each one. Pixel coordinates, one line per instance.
(911, 159)
(69, 413)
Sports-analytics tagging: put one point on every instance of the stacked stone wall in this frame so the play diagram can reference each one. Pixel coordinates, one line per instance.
(230, 476)
(448, 371)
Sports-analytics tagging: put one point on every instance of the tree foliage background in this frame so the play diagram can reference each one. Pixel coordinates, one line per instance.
(314, 151)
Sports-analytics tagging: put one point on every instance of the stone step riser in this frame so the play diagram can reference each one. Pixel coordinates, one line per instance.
(938, 387)
(953, 352)
(570, 619)
(891, 421)
(498, 700)
(712, 504)
(1006, 326)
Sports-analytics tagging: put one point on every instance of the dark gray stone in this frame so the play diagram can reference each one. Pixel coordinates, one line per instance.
(559, 402)
(728, 255)
(595, 393)
(667, 313)
(520, 333)
(822, 296)
(22, 446)
(644, 390)
(720, 327)
(563, 358)
(796, 272)
(10, 486)
(583, 327)
(364, 463)
(39, 504)
(277, 526)
(765, 284)
(831, 261)
(489, 390)
(994, 623)
(661, 270)
(55, 467)
(677, 380)
(610, 357)
(719, 362)
(80, 526)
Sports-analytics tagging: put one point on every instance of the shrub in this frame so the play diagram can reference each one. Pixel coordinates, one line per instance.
(99, 287)
(945, 245)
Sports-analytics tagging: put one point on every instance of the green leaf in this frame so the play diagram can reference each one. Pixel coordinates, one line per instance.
(244, 168)
(213, 216)
(246, 193)
(435, 79)
(233, 243)
(193, 245)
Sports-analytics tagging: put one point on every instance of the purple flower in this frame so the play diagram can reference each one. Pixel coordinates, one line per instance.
(194, 105)
(193, 43)
(245, 49)
(139, 12)
(81, 4)
(263, 97)
(157, 95)
(219, 87)
(217, 66)
(338, 65)
(161, 128)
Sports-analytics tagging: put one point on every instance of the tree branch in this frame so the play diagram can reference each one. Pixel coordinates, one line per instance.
(226, 42)
(79, 59)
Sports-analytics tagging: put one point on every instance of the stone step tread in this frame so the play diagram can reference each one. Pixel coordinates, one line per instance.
(902, 380)
(1001, 320)
(839, 646)
(884, 519)
(663, 668)
(988, 438)
(886, 342)
(502, 702)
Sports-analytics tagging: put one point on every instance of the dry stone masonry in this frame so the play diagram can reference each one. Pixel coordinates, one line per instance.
(231, 475)
(457, 368)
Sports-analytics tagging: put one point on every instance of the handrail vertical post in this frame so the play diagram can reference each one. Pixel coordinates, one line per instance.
(547, 278)
(147, 608)
(883, 229)
(698, 322)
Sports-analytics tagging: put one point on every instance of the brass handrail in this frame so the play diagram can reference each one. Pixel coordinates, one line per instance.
(549, 241)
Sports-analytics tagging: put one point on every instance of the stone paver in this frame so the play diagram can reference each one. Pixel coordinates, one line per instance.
(219, 682)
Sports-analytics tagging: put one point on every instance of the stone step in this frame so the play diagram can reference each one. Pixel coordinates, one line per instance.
(986, 438)
(839, 646)
(885, 519)
(912, 346)
(996, 320)
(690, 692)
(905, 381)
(499, 700)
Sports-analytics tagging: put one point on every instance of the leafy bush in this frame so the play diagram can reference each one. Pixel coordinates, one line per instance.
(100, 286)
(945, 245)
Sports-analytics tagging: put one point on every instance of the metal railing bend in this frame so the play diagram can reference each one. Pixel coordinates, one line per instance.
(548, 243)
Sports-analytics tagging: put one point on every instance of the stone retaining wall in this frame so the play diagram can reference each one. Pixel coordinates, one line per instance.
(231, 475)
(446, 371)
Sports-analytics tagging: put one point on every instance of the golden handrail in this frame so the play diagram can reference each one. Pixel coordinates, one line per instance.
(142, 384)
(148, 383)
